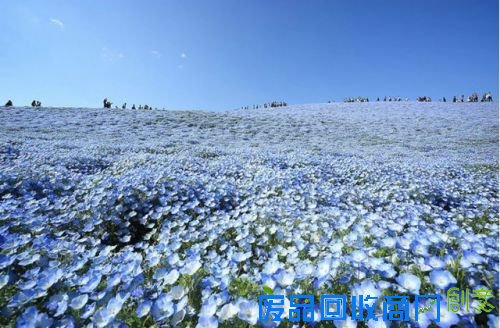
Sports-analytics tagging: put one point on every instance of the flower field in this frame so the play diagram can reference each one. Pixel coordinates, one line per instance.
(179, 218)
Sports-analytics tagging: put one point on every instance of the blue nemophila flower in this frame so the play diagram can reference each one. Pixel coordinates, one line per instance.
(4, 279)
(271, 267)
(358, 256)
(191, 266)
(348, 323)
(442, 278)
(177, 292)
(144, 308)
(49, 277)
(88, 310)
(447, 318)
(248, 311)
(32, 318)
(435, 262)
(228, 311)
(102, 317)
(241, 256)
(162, 308)
(285, 277)
(366, 288)
(58, 304)
(79, 302)
(115, 304)
(92, 284)
(207, 322)
(409, 282)
(171, 277)
(131, 205)
(29, 284)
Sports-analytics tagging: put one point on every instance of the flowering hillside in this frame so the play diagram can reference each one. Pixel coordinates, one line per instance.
(181, 217)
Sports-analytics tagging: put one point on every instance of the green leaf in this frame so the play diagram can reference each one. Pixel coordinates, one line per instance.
(268, 290)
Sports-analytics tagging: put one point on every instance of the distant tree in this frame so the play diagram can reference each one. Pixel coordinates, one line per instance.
(9, 103)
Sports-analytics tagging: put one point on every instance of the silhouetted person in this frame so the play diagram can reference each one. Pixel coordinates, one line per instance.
(454, 99)
(124, 106)
(462, 99)
(9, 103)
(33, 103)
(107, 103)
(133, 106)
(444, 99)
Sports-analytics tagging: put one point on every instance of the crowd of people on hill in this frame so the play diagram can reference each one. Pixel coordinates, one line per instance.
(474, 97)
(487, 97)
(272, 104)
(365, 99)
(107, 104)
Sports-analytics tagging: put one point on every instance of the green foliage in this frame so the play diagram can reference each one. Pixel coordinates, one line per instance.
(457, 272)
(268, 290)
(6, 293)
(347, 249)
(130, 318)
(483, 167)
(193, 287)
(230, 234)
(425, 287)
(243, 287)
(479, 224)
(234, 323)
(367, 240)
(383, 252)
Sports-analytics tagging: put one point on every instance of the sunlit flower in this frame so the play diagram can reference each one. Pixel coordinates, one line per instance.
(442, 278)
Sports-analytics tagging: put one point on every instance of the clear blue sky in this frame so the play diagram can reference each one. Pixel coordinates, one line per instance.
(224, 54)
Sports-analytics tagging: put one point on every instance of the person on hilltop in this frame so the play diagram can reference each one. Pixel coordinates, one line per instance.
(124, 106)
(107, 103)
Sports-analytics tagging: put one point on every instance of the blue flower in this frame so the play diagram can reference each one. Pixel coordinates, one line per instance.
(78, 302)
(442, 278)
(163, 308)
(409, 282)
(32, 318)
(143, 308)
(207, 322)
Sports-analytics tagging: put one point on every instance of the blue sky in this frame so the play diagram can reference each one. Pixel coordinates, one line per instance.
(229, 53)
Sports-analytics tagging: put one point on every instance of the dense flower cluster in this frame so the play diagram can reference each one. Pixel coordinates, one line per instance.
(180, 218)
